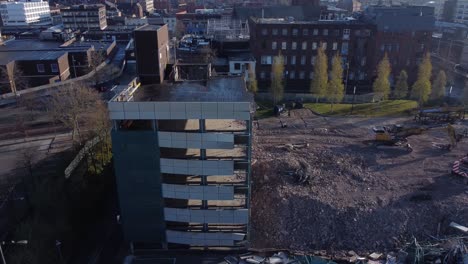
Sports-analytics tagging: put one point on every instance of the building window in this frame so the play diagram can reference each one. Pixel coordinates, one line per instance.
(295, 32)
(262, 75)
(237, 66)
(314, 45)
(304, 45)
(54, 67)
(264, 32)
(344, 48)
(285, 60)
(312, 60)
(311, 75)
(335, 45)
(301, 75)
(284, 31)
(303, 60)
(315, 32)
(293, 60)
(40, 68)
(292, 75)
(284, 45)
(274, 45)
(294, 45)
(325, 32)
(266, 60)
(346, 33)
(363, 61)
(305, 32)
(274, 32)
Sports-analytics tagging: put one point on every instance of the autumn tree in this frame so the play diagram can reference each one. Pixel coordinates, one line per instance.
(252, 85)
(72, 105)
(438, 87)
(95, 59)
(277, 80)
(381, 84)
(318, 85)
(336, 89)
(422, 87)
(12, 79)
(401, 87)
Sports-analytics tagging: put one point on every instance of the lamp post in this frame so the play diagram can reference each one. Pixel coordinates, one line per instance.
(354, 97)
(20, 242)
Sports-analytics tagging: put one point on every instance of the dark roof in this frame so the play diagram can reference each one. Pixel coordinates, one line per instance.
(401, 18)
(39, 45)
(305, 12)
(148, 28)
(6, 57)
(220, 89)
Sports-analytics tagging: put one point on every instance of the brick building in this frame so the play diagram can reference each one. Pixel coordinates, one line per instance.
(84, 17)
(298, 43)
(404, 33)
(152, 52)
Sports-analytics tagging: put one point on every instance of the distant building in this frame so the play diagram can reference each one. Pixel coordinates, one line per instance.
(25, 13)
(298, 43)
(151, 52)
(461, 11)
(404, 33)
(147, 5)
(85, 17)
(195, 23)
(350, 5)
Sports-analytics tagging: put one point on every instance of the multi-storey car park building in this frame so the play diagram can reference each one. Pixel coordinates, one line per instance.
(24, 13)
(182, 162)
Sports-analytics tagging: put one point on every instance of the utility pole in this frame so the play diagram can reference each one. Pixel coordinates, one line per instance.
(354, 97)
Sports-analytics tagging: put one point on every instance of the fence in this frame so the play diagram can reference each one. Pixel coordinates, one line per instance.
(349, 98)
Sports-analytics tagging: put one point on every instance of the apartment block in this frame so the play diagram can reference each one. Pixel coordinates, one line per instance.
(25, 13)
(182, 157)
(84, 17)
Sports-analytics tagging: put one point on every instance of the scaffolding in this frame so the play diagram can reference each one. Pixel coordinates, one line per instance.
(227, 29)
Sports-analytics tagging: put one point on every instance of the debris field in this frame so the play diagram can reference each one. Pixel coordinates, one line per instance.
(318, 186)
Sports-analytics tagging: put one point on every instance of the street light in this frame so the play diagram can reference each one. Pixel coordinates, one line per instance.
(20, 242)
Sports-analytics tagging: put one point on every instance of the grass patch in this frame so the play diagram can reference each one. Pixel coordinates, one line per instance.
(385, 108)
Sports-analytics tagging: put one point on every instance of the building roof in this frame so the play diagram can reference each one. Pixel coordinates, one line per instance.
(148, 27)
(401, 18)
(305, 12)
(6, 57)
(319, 22)
(40, 45)
(218, 89)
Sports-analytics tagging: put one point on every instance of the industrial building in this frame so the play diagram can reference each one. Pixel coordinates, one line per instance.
(182, 162)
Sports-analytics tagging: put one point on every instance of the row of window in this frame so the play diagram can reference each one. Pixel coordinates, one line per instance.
(302, 75)
(306, 32)
(268, 60)
(41, 68)
(304, 45)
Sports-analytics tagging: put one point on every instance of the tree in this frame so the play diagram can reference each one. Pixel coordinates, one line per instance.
(336, 89)
(277, 80)
(252, 85)
(73, 105)
(12, 79)
(401, 87)
(95, 59)
(318, 85)
(422, 87)
(438, 87)
(381, 84)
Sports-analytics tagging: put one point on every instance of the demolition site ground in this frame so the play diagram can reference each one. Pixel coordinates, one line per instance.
(318, 186)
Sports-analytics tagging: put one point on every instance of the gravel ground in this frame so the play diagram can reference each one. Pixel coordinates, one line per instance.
(338, 193)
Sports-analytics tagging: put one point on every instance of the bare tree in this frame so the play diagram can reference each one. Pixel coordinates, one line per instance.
(96, 58)
(12, 79)
(72, 105)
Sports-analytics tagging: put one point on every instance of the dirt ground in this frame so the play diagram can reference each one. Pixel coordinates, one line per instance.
(341, 194)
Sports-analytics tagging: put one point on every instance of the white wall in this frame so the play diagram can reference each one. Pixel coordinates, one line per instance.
(25, 13)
